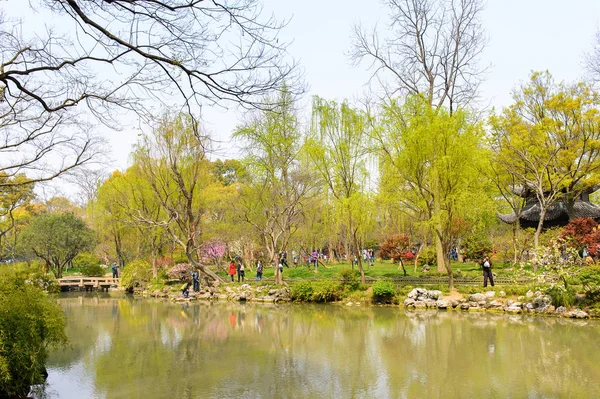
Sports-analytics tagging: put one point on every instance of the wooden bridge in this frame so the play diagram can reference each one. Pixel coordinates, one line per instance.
(87, 283)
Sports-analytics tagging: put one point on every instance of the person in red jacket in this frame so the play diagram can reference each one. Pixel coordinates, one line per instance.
(232, 270)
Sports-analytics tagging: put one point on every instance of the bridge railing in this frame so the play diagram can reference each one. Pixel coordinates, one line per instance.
(89, 281)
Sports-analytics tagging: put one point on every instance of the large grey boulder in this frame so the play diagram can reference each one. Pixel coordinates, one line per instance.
(477, 298)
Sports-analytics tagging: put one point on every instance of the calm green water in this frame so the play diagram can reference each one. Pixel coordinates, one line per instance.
(128, 348)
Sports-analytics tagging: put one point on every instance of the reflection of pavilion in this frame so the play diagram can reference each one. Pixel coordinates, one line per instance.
(558, 213)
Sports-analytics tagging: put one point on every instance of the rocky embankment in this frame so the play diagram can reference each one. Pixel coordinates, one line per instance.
(532, 302)
(241, 293)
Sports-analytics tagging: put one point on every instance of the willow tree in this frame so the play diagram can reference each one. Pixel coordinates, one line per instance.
(127, 200)
(339, 152)
(173, 161)
(437, 158)
(273, 199)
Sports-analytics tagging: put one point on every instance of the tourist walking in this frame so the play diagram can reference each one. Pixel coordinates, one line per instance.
(259, 271)
(232, 270)
(486, 264)
(240, 271)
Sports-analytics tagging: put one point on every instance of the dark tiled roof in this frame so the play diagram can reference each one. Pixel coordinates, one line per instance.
(558, 210)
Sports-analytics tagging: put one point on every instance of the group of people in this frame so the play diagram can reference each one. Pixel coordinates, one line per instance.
(237, 267)
(185, 289)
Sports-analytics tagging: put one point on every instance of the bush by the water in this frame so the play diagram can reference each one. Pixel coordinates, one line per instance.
(383, 290)
(136, 274)
(30, 324)
(316, 291)
(561, 296)
(350, 279)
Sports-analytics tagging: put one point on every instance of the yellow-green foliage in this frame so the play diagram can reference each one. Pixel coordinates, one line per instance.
(30, 323)
(136, 274)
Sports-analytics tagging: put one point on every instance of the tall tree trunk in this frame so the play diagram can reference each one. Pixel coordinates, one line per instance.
(538, 231)
(154, 266)
(536, 237)
(514, 240)
(360, 266)
(441, 256)
(203, 269)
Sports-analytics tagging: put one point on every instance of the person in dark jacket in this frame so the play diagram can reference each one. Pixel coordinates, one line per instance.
(196, 280)
(486, 265)
(240, 270)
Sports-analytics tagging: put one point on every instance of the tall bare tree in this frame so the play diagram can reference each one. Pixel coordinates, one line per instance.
(109, 55)
(432, 49)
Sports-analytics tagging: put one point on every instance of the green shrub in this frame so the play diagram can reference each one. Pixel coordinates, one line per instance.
(136, 274)
(302, 291)
(427, 257)
(326, 291)
(590, 277)
(89, 265)
(383, 290)
(30, 323)
(477, 245)
(350, 279)
(561, 296)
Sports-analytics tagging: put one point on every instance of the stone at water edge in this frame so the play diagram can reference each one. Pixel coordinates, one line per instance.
(434, 294)
(490, 294)
(529, 294)
(442, 304)
(561, 309)
(409, 302)
(245, 286)
(413, 294)
(465, 305)
(476, 297)
(496, 304)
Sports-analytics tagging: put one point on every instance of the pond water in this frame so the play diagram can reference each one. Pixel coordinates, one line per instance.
(123, 347)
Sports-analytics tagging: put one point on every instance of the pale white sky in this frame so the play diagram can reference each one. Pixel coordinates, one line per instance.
(524, 35)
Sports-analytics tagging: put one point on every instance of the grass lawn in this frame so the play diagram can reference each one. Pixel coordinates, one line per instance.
(379, 270)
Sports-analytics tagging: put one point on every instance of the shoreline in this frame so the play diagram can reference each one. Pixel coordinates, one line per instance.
(533, 303)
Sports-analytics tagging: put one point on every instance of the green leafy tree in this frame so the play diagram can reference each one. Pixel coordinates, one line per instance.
(273, 200)
(549, 140)
(15, 193)
(30, 324)
(339, 151)
(437, 160)
(57, 238)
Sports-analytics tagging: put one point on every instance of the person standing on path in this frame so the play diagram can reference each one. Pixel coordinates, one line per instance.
(115, 270)
(196, 280)
(259, 271)
(232, 270)
(240, 270)
(486, 264)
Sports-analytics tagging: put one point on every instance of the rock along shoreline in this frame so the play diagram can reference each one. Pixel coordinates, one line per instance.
(418, 299)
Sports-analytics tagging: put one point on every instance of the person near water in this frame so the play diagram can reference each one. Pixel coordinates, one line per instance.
(115, 270)
(486, 265)
(196, 280)
(232, 270)
(259, 271)
(185, 289)
(240, 271)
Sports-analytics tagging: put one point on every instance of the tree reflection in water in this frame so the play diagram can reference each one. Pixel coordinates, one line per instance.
(150, 349)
